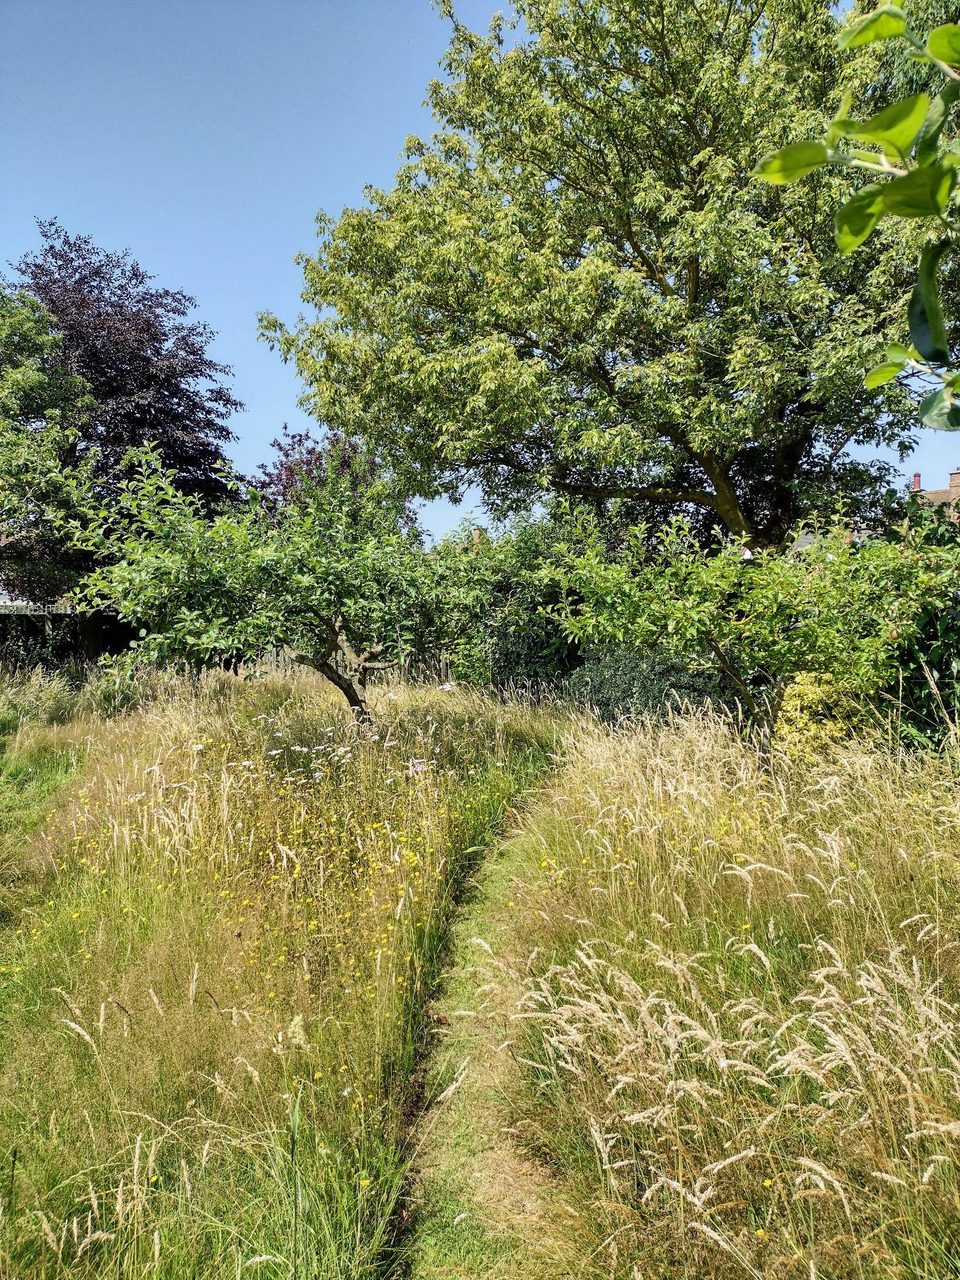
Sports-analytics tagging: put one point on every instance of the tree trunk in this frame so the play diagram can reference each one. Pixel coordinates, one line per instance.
(351, 688)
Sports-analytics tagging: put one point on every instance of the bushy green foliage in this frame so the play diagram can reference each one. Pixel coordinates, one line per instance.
(335, 574)
(42, 408)
(503, 598)
(616, 681)
(830, 605)
(925, 685)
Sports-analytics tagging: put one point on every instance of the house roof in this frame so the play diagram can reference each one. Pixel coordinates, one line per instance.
(10, 604)
(940, 497)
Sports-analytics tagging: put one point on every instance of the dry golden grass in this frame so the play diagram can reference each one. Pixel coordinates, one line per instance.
(739, 1036)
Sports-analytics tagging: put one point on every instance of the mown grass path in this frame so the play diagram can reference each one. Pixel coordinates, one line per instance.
(32, 772)
(481, 1207)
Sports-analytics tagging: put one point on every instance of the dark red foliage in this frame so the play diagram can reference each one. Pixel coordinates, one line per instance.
(147, 364)
(302, 458)
(303, 461)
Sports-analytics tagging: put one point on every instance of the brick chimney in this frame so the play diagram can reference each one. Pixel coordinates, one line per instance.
(954, 485)
(917, 487)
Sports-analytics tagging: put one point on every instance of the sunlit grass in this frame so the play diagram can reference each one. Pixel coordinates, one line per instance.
(740, 1038)
(211, 1016)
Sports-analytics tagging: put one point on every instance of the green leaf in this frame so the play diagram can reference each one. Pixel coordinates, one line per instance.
(858, 217)
(883, 373)
(840, 118)
(943, 43)
(896, 351)
(940, 411)
(922, 193)
(894, 128)
(791, 163)
(927, 328)
(883, 23)
(929, 136)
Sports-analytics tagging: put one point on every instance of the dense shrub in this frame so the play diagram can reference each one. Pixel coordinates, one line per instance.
(925, 689)
(620, 681)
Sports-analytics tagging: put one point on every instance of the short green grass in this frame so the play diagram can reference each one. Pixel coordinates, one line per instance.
(34, 766)
(481, 1208)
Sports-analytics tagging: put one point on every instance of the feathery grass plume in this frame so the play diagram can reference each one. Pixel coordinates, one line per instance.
(739, 1038)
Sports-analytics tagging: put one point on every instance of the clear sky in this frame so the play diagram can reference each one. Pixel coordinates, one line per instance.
(205, 135)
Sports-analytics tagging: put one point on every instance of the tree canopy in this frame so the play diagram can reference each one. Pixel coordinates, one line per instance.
(146, 364)
(44, 410)
(575, 287)
(330, 568)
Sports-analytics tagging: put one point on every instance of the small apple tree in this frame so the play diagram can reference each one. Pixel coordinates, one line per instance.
(323, 560)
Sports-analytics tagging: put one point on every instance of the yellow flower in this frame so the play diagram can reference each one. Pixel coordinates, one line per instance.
(760, 1233)
(768, 1182)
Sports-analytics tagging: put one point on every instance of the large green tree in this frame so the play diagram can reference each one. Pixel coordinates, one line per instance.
(44, 409)
(575, 287)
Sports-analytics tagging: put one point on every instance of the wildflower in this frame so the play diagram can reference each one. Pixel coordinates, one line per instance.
(768, 1182)
(760, 1233)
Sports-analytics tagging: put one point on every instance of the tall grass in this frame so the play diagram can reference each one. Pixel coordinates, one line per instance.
(43, 697)
(739, 1037)
(211, 1016)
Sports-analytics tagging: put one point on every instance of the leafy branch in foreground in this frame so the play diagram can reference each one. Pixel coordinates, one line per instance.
(904, 145)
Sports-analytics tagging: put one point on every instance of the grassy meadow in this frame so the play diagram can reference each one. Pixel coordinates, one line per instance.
(285, 997)
(215, 965)
(737, 1037)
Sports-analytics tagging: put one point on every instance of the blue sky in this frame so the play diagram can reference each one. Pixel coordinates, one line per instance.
(206, 134)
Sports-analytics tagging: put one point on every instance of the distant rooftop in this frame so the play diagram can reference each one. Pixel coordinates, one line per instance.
(10, 604)
(939, 497)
